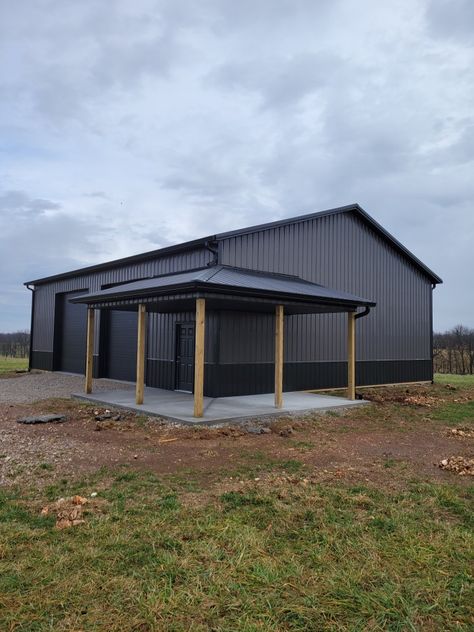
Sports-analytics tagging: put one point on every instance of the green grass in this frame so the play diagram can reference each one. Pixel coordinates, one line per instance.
(455, 413)
(455, 380)
(256, 547)
(48, 467)
(280, 557)
(9, 365)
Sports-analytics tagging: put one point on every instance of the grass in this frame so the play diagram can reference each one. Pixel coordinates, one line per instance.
(258, 548)
(455, 380)
(10, 365)
(318, 557)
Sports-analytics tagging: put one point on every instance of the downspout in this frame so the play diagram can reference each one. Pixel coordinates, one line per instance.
(366, 312)
(433, 287)
(32, 289)
(212, 247)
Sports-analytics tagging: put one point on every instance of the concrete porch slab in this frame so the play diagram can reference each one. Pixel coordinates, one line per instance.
(178, 407)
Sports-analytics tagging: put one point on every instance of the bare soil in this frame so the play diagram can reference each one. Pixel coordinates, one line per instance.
(349, 445)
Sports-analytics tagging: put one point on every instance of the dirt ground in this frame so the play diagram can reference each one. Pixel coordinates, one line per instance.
(361, 444)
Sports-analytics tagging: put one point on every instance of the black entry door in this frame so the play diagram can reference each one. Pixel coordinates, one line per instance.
(185, 357)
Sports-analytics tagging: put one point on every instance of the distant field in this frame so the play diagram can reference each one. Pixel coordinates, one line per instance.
(450, 378)
(8, 364)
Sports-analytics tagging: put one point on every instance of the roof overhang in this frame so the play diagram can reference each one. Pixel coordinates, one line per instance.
(225, 288)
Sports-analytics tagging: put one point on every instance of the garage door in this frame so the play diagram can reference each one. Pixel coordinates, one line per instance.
(121, 335)
(72, 325)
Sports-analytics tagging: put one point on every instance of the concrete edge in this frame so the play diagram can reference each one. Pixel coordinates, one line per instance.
(226, 420)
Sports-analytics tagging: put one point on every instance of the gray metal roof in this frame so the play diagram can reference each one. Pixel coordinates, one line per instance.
(220, 279)
(354, 208)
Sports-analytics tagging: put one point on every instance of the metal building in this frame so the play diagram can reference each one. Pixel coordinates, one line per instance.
(345, 250)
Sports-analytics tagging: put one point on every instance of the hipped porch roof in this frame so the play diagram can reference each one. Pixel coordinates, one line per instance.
(225, 287)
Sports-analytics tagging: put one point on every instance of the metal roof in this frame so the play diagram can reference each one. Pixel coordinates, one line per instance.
(354, 208)
(220, 279)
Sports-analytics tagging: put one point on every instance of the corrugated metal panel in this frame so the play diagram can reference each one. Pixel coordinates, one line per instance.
(343, 252)
(120, 350)
(45, 294)
(339, 251)
(218, 277)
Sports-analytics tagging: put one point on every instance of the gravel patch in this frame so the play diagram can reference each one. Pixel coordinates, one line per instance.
(33, 387)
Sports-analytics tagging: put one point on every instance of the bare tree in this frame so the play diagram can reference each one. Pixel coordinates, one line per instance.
(453, 351)
(15, 345)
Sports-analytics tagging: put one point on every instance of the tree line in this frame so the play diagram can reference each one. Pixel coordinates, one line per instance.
(453, 351)
(15, 345)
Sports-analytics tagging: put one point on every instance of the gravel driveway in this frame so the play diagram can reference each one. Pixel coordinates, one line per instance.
(32, 387)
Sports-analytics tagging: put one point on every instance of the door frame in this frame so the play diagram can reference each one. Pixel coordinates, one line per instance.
(178, 324)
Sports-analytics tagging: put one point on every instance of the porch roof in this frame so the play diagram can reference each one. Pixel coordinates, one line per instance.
(225, 287)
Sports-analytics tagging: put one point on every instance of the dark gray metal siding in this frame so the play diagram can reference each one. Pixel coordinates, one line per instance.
(120, 333)
(343, 252)
(45, 297)
(161, 345)
(70, 336)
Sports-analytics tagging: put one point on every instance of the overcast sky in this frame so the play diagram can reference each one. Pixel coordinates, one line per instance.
(130, 125)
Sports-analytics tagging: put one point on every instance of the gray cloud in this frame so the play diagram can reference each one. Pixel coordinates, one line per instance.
(17, 203)
(130, 126)
(280, 82)
(451, 19)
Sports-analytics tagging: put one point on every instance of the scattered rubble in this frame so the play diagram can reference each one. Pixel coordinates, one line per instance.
(107, 415)
(407, 399)
(251, 429)
(42, 419)
(461, 432)
(461, 465)
(413, 396)
(69, 511)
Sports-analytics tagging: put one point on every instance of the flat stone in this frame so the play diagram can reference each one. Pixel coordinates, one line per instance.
(42, 419)
(254, 429)
(103, 417)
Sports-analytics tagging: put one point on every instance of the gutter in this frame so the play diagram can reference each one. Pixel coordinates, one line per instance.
(366, 312)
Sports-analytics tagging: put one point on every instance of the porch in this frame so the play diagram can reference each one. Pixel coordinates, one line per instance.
(179, 407)
(220, 288)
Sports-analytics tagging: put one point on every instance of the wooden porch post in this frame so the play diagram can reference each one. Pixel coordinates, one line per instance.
(89, 349)
(199, 357)
(140, 385)
(279, 356)
(351, 365)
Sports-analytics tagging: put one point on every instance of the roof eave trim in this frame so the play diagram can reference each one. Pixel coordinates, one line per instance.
(198, 286)
(176, 248)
